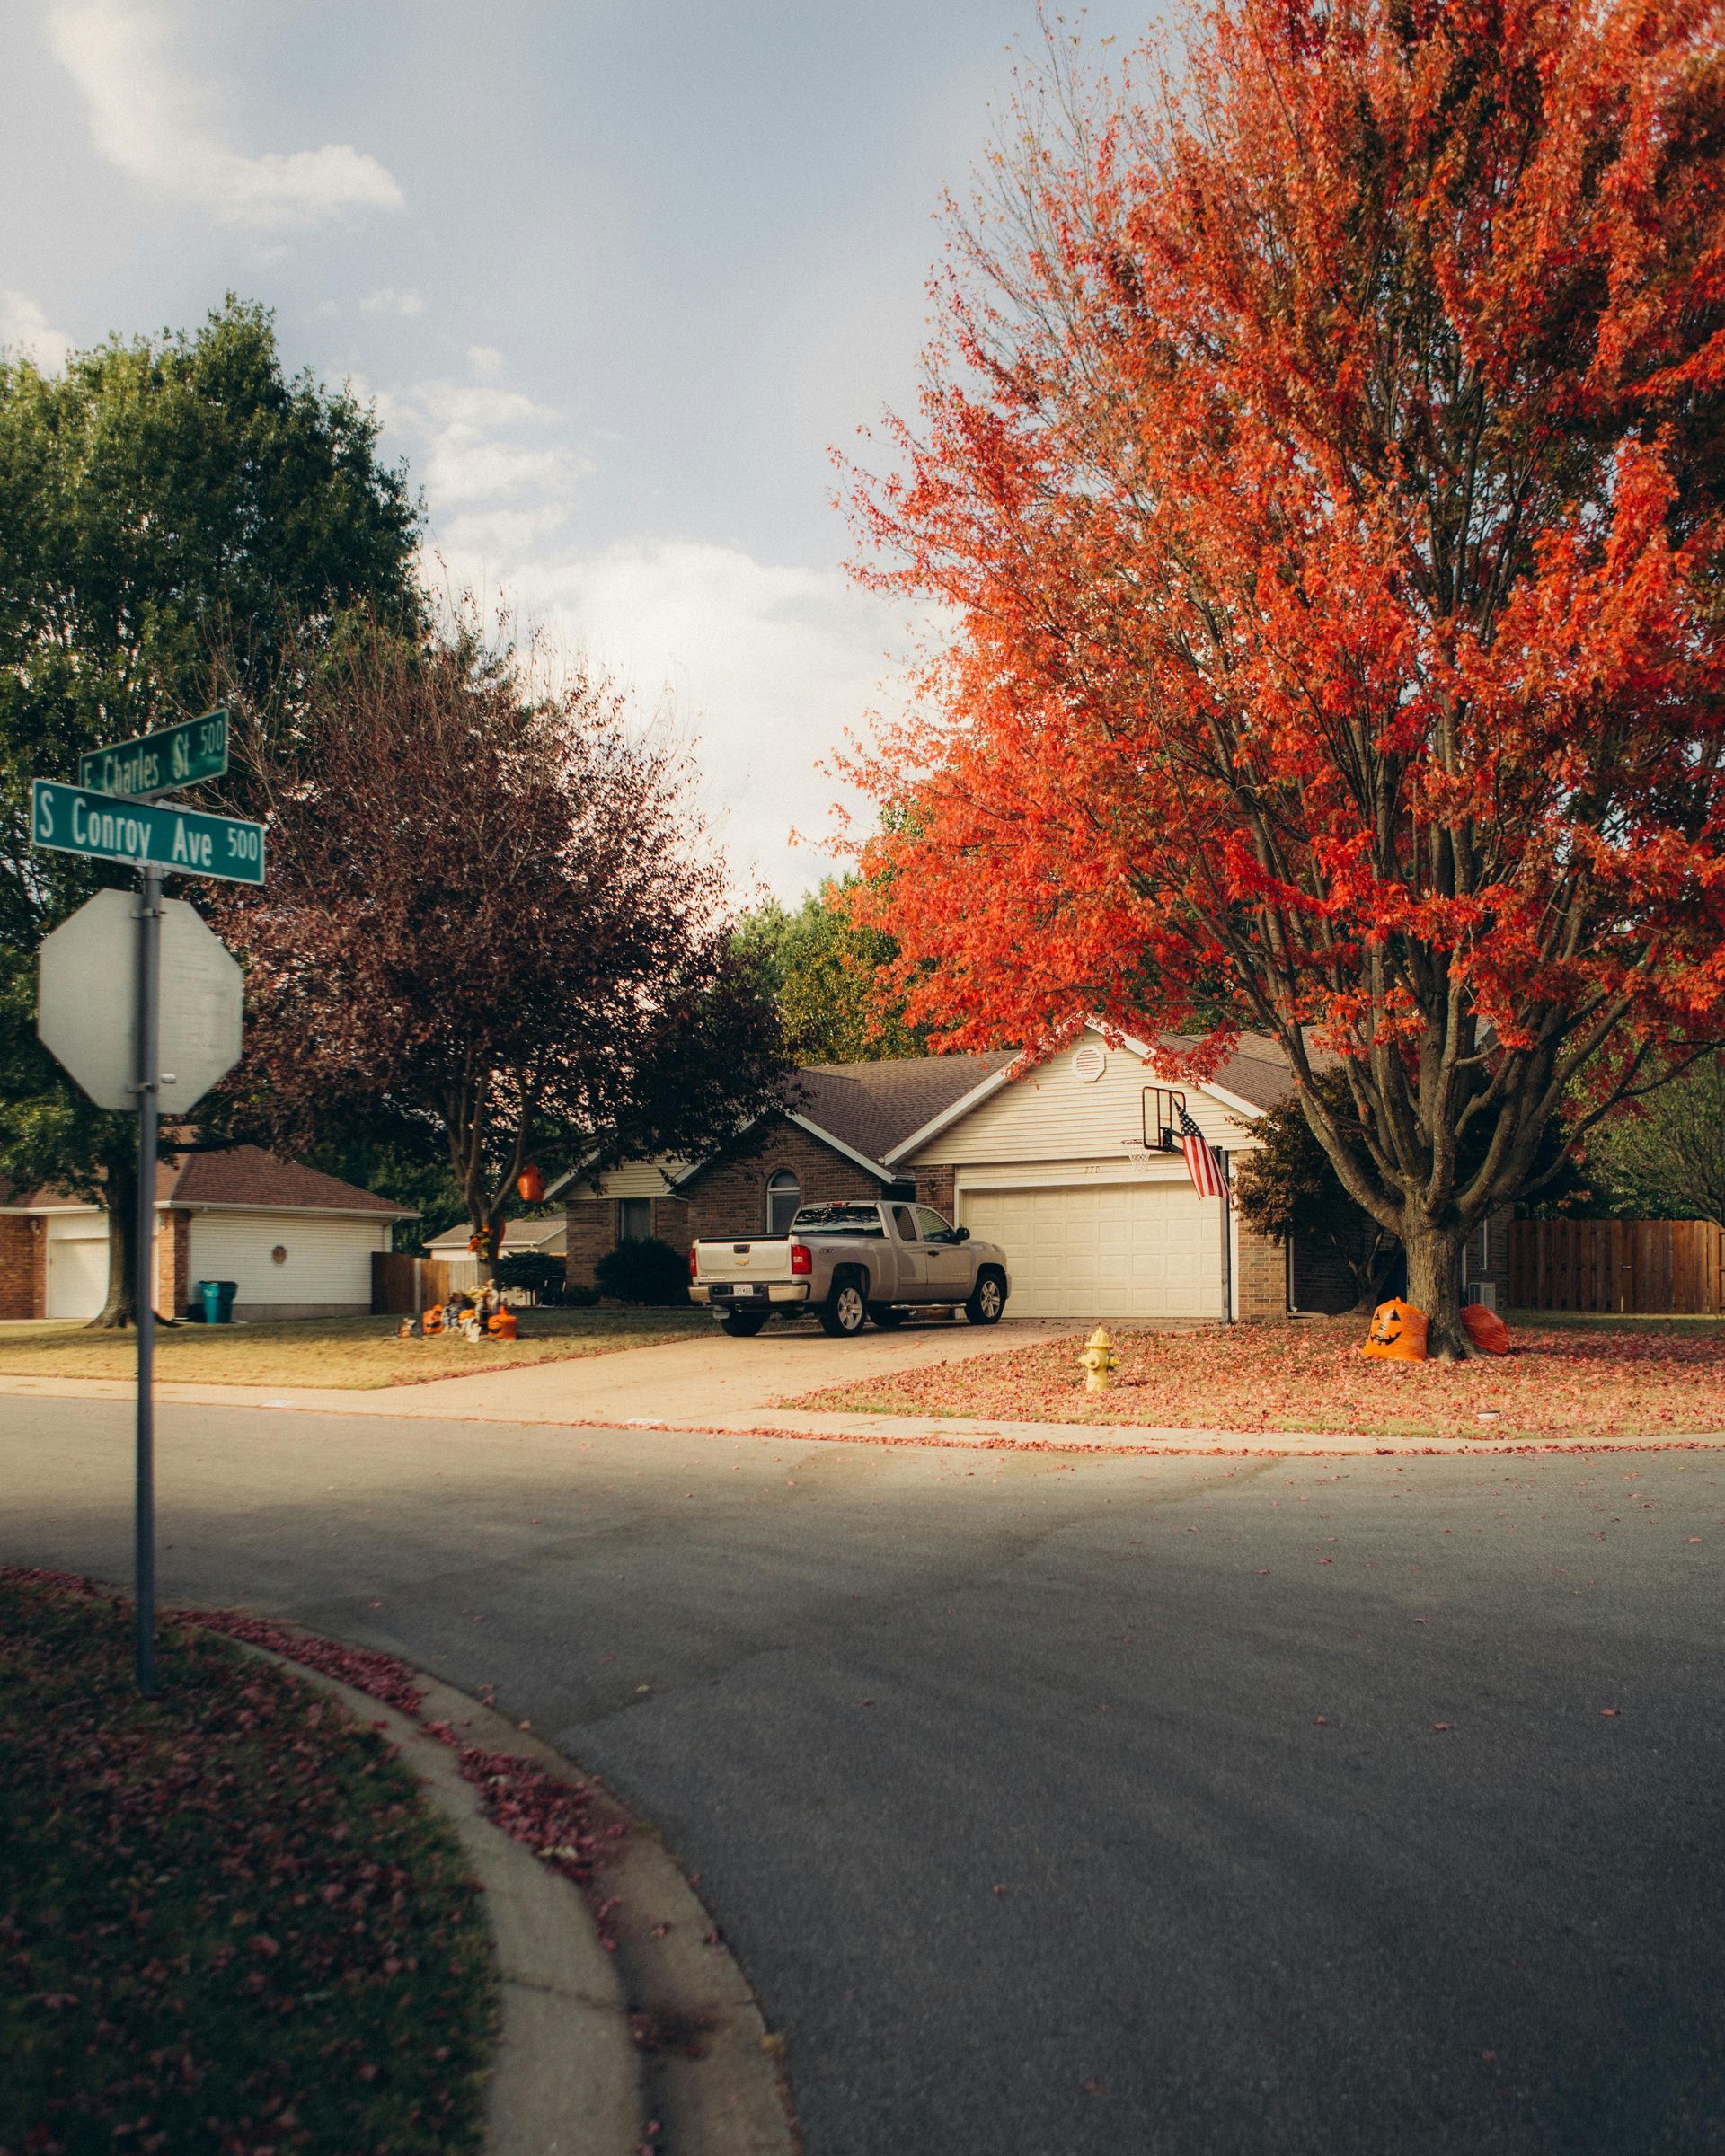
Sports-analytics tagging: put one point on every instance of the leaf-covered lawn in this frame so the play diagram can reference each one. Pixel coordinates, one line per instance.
(229, 1923)
(1564, 1380)
(355, 1353)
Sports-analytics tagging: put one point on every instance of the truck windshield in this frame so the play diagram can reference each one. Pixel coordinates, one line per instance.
(840, 1220)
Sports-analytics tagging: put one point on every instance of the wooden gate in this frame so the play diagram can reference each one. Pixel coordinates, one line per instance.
(1653, 1267)
(401, 1284)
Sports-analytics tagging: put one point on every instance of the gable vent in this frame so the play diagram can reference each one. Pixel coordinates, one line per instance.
(1089, 1063)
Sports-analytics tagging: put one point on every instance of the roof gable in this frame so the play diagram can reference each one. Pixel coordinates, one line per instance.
(1057, 1116)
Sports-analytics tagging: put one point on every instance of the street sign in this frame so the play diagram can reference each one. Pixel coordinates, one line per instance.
(88, 991)
(149, 834)
(179, 756)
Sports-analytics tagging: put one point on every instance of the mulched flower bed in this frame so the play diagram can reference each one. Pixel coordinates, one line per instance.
(1563, 1383)
(229, 1923)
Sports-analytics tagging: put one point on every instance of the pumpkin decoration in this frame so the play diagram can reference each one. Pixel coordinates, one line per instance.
(1398, 1333)
(1485, 1329)
(530, 1185)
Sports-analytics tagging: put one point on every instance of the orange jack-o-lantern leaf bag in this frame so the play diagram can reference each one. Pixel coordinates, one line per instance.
(1398, 1333)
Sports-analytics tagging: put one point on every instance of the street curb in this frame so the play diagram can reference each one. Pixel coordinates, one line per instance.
(670, 2020)
(914, 1433)
(566, 2079)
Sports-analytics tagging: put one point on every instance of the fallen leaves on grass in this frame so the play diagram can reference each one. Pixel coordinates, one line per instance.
(231, 1924)
(1562, 1383)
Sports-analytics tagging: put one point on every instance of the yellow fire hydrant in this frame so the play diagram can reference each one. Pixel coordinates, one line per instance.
(1099, 1362)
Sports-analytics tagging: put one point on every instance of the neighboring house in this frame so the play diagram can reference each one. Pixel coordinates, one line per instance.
(1063, 1166)
(298, 1243)
(546, 1237)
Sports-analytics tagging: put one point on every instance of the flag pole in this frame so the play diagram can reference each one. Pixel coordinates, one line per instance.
(1228, 1239)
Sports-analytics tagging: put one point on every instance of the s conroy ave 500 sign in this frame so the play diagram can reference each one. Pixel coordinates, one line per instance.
(146, 835)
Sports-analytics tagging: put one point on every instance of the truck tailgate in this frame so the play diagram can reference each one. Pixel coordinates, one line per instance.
(742, 1261)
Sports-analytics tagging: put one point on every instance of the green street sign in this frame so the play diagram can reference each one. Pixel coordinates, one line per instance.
(179, 756)
(180, 842)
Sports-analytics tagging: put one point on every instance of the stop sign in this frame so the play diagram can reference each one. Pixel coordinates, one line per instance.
(86, 1004)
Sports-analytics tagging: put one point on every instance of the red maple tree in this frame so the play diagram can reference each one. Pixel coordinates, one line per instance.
(1319, 457)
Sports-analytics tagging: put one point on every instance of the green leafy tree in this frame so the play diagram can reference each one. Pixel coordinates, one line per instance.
(829, 978)
(161, 500)
(1666, 1159)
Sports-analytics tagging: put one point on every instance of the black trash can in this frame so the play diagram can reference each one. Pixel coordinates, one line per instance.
(217, 1299)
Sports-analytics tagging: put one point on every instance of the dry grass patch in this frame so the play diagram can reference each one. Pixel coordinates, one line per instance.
(354, 1353)
(1564, 1381)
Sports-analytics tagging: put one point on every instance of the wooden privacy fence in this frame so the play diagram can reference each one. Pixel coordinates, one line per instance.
(1652, 1266)
(401, 1284)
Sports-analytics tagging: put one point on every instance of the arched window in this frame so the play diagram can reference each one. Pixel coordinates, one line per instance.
(783, 1200)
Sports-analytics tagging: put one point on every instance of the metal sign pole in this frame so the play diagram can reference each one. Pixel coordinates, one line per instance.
(149, 990)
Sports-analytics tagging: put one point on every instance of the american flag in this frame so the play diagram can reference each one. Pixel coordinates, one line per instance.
(1201, 1163)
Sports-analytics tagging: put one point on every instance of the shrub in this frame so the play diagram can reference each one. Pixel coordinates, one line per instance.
(531, 1270)
(650, 1271)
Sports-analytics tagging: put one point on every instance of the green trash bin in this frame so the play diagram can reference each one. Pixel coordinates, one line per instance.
(217, 1299)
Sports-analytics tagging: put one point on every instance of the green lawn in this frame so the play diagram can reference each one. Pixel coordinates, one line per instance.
(229, 1919)
(353, 1353)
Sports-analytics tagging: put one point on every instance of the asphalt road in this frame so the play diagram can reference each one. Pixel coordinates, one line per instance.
(1058, 1807)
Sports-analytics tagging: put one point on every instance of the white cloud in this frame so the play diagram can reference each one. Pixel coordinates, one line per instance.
(24, 327)
(767, 666)
(466, 438)
(485, 360)
(387, 300)
(150, 124)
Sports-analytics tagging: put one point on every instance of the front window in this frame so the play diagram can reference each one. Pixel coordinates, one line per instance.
(783, 1196)
(635, 1219)
(936, 1226)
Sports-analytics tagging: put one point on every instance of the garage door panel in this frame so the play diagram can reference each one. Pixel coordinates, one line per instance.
(1109, 1252)
(77, 1275)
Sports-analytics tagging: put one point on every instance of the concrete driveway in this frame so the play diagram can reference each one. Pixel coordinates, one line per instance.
(709, 1381)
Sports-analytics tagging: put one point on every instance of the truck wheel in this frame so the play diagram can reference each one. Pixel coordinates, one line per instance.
(743, 1324)
(886, 1317)
(845, 1312)
(987, 1300)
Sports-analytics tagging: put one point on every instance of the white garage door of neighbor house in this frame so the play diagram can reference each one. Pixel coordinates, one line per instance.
(323, 1260)
(77, 1273)
(1104, 1250)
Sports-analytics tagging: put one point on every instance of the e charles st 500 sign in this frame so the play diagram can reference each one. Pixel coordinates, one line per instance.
(177, 841)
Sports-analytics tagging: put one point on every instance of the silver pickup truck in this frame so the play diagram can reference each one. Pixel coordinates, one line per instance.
(849, 1262)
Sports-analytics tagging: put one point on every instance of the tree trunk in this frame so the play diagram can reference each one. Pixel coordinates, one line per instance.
(1435, 1286)
(120, 1198)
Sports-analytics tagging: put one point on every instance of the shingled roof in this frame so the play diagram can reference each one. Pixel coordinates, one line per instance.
(872, 1107)
(245, 1176)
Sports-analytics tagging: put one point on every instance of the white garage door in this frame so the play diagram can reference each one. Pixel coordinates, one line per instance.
(77, 1275)
(1105, 1250)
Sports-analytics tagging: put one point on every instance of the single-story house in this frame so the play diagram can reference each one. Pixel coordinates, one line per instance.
(297, 1242)
(1072, 1167)
(547, 1236)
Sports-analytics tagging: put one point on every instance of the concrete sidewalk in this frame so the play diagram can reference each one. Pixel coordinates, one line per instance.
(708, 1382)
(724, 1387)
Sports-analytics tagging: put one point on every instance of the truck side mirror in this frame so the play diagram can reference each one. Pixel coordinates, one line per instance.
(961, 1235)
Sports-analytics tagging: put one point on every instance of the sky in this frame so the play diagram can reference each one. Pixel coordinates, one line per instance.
(619, 275)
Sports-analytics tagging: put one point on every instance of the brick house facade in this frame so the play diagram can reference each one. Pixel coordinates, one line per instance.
(854, 1132)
